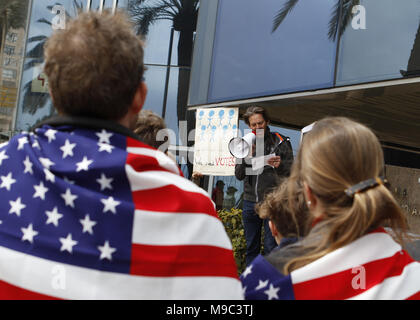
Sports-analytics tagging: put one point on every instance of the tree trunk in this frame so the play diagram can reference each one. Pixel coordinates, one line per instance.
(414, 61)
(185, 46)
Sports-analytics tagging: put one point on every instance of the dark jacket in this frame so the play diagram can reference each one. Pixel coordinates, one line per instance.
(256, 186)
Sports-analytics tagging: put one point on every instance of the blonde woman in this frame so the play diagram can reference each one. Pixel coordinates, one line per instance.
(348, 254)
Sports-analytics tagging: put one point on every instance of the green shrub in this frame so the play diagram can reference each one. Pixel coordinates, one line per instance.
(232, 220)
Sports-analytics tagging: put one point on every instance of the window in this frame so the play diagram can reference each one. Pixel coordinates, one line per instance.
(9, 62)
(9, 50)
(9, 74)
(251, 60)
(12, 37)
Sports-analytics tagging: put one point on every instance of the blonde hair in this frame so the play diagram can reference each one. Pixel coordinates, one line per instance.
(337, 154)
(148, 126)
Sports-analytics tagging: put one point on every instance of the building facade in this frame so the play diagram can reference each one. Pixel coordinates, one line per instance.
(305, 60)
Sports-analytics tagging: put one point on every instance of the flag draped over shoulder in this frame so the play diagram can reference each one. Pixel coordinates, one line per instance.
(372, 267)
(88, 214)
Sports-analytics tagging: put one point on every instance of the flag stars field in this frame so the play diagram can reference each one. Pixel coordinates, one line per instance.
(16, 206)
(87, 224)
(3, 156)
(7, 181)
(83, 165)
(110, 205)
(40, 191)
(28, 166)
(104, 136)
(67, 149)
(69, 198)
(29, 233)
(106, 251)
(67, 243)
(53, 216)
(105, 182)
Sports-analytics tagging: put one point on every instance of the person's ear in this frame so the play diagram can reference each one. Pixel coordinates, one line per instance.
(273, 229)
(139, 98)
(311, 200)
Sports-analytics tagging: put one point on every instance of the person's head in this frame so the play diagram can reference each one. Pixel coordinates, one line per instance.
(335, 155)
(287, 213)
(220, 184)
(256, 118)
(95, 68)
(231, 190)
(148, 126)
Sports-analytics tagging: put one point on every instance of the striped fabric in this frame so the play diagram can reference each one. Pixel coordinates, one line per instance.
(90, 214)
(372, 267)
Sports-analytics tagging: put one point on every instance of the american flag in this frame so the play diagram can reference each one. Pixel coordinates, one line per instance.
(372, 267)
(94, 214)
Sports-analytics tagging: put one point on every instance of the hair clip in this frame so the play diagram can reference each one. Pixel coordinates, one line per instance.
(365, 185)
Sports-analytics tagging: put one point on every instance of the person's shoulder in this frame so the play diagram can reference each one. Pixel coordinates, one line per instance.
(280, 136)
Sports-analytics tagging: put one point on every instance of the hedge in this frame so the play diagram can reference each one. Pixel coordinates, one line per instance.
(232, 220)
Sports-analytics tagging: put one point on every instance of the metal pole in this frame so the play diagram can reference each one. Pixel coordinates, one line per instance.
(168, 69)
(114, 6)
(210, 187)
(101, 5)
(88, 5)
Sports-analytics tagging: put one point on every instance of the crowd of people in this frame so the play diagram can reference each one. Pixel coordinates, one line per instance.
(86, 194)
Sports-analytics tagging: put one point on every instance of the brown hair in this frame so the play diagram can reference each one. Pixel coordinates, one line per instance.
(289, 213)
(335, 155)
(94, 66)
(147, 127)
(255, 110)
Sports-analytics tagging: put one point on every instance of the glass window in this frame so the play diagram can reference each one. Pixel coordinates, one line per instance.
(155, 80)
(9, 50)
(12, 41)
(249, 59)
(12, 37)
(384, 45)
(9, 74)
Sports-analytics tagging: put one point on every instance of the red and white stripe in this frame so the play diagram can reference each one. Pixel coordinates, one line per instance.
(372, 267)
(180, 249)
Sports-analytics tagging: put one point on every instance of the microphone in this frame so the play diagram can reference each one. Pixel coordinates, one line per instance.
(241, 147)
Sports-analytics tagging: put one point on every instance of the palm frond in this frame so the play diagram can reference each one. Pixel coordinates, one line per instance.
(43, 20)
(281, 15)
(345, 18)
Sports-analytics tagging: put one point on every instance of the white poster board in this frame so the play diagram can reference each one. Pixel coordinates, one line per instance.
(215, 127)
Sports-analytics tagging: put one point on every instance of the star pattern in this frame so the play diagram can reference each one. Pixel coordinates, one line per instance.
(105, 182)
(3, 156)
(69, 198)
(106, 251)
(47, 172)
(16, 206)
(40, 191)
(67, 149)
(104, 136)
(110, 204)
(7, 181)
(67, 243)
(53, 216)
(29, 233)
(83, 165)
(87, 224)
(28, 166)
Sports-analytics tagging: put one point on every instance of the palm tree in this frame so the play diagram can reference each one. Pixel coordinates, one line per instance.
(183, 14)
(340, 18)
(413, 66)
(12, 15)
